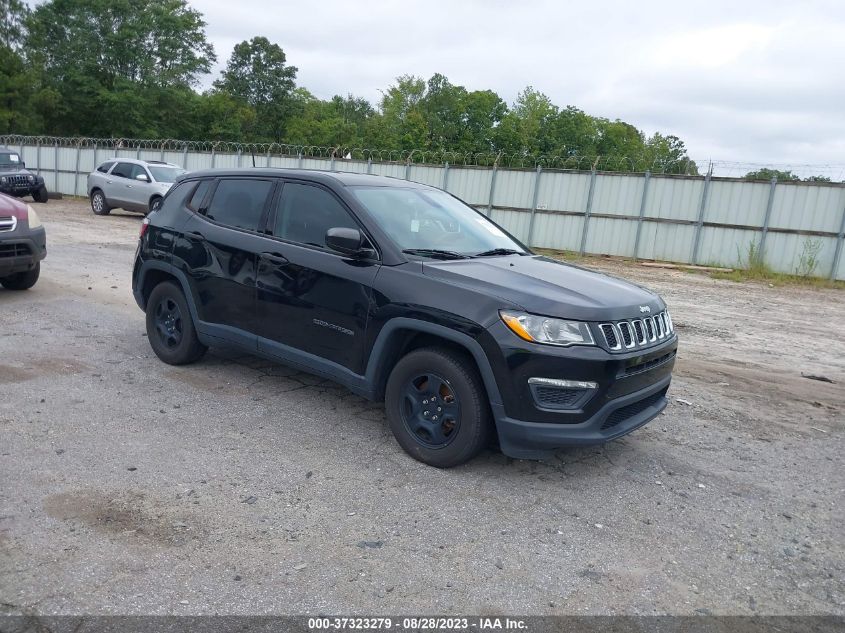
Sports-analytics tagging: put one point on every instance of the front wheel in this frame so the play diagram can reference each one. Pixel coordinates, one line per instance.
(22, 281)
(437, 407)
(98, 203)
(41, 194)
(170, 328)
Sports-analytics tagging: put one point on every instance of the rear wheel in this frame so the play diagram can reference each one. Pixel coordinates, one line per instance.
(437, 407)
(98, 203)
(22, 281)
(41, 194)
(170, 328)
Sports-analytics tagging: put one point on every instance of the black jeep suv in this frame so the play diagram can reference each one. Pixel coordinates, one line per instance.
(16, 180)
(402, 292)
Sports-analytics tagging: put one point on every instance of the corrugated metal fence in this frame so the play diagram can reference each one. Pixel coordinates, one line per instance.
(796, 226)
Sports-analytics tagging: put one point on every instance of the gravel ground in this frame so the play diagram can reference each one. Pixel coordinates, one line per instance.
(240, 486)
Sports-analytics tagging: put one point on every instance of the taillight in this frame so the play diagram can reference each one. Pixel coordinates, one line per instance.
(145, 223)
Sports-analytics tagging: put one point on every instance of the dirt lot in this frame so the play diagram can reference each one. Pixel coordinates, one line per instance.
(239, 486)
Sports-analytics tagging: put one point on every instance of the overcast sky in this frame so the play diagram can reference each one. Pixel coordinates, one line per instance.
(757, 81)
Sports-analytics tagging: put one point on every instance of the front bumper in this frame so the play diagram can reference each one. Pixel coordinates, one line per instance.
(22, 252)
(19, 191)
(630, 390)
(535, 440)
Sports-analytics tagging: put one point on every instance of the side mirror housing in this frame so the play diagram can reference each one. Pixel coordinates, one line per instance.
(142, 178)
(347, 241)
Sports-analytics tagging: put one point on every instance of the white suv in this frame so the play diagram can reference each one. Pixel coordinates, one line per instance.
(133, 185)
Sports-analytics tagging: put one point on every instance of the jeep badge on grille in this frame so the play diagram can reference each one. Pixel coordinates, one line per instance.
(645, 309)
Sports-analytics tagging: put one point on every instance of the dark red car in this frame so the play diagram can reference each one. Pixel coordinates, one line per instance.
(23, 244)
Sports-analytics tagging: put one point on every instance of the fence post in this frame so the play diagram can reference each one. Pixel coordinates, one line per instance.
(267, 159)
(38, 157)
(138, 153)
(56, 166)
(213, 156)
(76, 170)
(588, 211)
(642, 215)
(239, 156)
(370, 165)
(96, 149)
(492, 189)
(161, 156)
(408, 169)
(185, 156)
(700, 222)
(534, 198)
(837, 256)
(331, 164)
(769, 205)
(300, 160)
(445, 176)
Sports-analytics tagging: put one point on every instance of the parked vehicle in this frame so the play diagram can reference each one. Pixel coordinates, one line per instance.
(16, 180)
(129, 184)
(402, 292)
(23, 244)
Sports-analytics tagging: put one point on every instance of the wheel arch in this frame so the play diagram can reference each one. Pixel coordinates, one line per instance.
(155, 272)
(402, 335)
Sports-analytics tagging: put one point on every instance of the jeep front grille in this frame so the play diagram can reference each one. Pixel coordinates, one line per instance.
(634, 333)
(17, 180)
(8, 223)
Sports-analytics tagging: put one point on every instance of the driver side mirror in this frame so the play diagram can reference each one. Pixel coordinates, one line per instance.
(142, 178)
(348, 241)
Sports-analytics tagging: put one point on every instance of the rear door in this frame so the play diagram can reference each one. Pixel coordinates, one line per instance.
(115, 183)
(218, 251)
(309, 297)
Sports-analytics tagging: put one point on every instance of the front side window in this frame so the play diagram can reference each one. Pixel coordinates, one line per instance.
(138, 170)
(122, 170)
(432, 219)
(239, 202)
(304, 214)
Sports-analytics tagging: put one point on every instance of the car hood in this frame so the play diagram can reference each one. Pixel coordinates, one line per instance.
(5, 170)
(12, 207)
(548, 287)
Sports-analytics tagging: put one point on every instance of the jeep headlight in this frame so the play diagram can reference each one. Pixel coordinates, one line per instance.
(546, 330)
(3, 179)
(31, 178)
(34, 220)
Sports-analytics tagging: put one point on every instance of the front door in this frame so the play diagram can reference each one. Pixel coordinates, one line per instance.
(310, 298)
(218, 252)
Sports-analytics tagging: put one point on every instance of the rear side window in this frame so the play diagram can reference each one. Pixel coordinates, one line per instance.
(305, 213)
(195, 203)
(239, 202)
(177, 197)
(104, 168)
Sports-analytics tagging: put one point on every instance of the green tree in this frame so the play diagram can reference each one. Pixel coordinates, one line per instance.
(13, 14)
(109, 60)
(767, 174)
(258, 74)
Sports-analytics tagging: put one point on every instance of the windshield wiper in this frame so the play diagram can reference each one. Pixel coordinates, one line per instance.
(500, 251)
(435, 253)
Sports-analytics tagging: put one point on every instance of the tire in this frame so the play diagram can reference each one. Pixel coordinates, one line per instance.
(99, 204)
(155, 204)
(22, 281)
(437, 407)
(170, 328)
(41, 194)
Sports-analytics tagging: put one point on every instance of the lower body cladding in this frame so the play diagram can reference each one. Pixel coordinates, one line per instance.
(20, 254)
(555, 397)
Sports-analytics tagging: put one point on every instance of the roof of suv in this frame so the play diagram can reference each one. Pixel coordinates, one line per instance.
(316, 175)
(137, 161)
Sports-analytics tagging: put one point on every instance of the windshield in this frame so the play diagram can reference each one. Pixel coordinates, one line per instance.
(165, 174)
(431, 219)
(10, 159)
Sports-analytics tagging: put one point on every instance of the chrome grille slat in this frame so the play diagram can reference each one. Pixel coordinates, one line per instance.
(8, 223)
(636, 333)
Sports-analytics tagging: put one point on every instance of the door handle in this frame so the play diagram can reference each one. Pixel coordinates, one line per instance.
(195, 235)
(274, 258)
